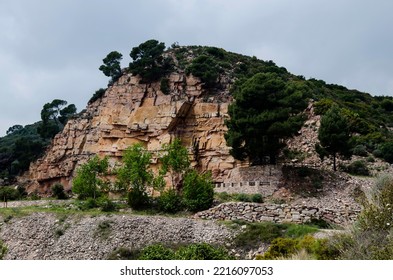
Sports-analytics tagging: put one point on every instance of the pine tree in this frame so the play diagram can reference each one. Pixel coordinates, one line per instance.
(265, 112)
(333, 135)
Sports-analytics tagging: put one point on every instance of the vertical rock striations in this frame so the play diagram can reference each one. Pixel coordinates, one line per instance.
(132, 112)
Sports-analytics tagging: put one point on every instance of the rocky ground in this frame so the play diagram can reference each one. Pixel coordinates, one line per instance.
(47, 236)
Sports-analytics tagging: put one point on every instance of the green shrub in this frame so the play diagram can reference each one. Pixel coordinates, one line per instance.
(256, 233)
(216, 52)
(223, 196)
(295, 230)
(202, 251)
(280, 247)
(360, 150)
(103, 229)
(205, 68)
(156, 252)
(90, 203)
(138, 198)
(371, 238)
(97, 95)
(8, 193)
(377, 214)
(58, 191)
(358, 167)
(304, 171)
(34, 196)
(170, 202)
(124, 254)
(319, 249)
(257, 198)
(370, 159)
(59, 232)
(198, 191)
(319, 223)
(322, 106)
(243, 197)
(3, 249)
(106, 204)
(164, 86)
(90, 180)
(387, 151)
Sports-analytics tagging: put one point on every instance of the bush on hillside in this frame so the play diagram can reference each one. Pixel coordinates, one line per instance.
(198, 191)
(169, 201)
(58, 191)
(358, 167)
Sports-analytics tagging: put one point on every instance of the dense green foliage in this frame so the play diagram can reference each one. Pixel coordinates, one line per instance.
(175, 162)
(111, 67)
(58, 191)
(156, 252)
(149, 61)
(54, 116)
(134, 176)
(197, 251)
(164, 86)
(202, 251)
(22, 145)
(189, 190)
(18, 148)
(89, 181)
(97, 95)
(205, 68)
(266, 110)
(3, 249)
(198, 191)
(333, 135)
(318, 249)
(135, 169)
(386, 151)
(358, 167)
(169, 201)
(11, 193)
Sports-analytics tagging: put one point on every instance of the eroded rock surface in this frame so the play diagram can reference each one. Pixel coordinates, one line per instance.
(131, 112)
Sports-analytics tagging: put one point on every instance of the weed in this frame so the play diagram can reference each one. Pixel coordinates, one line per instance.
(103, 230)
(256, 233)
(295, 230)
(124, 254)
(59, 232)
(3, 249)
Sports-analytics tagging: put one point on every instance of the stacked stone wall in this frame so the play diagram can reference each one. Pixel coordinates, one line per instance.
(278, 213)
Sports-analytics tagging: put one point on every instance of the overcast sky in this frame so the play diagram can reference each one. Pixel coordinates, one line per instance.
(52, 48)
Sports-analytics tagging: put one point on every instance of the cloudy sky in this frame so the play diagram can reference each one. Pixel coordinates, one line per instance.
(52, 48)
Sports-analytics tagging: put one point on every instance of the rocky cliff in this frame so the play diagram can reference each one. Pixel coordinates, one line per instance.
(134, 112)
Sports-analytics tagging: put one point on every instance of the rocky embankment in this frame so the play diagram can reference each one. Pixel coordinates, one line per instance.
(279, 213)
(49, 236)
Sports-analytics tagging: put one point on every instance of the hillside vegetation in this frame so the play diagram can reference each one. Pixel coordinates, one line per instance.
(267, 107)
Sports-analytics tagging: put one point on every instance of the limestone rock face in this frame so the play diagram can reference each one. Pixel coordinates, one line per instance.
(132, 112)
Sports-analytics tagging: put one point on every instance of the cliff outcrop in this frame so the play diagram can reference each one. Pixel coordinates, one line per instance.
(134, 112)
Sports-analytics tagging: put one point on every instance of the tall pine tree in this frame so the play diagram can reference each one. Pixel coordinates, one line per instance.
(266, 111)
(333, 135)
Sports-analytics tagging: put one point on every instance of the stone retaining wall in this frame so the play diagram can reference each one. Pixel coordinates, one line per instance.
(279, 213)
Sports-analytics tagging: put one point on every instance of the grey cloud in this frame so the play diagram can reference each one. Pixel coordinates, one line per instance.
(53, 48)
